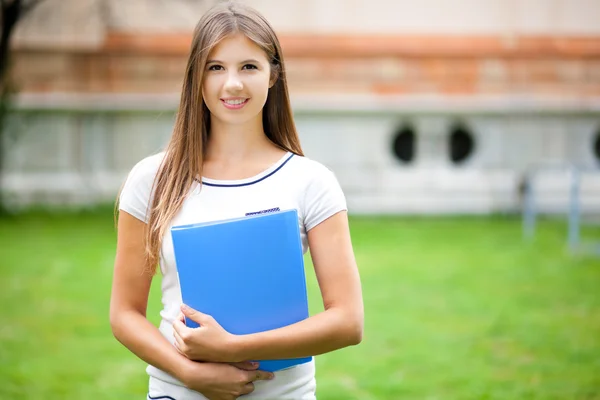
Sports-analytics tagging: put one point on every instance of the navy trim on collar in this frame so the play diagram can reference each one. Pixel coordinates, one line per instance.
(250, 183)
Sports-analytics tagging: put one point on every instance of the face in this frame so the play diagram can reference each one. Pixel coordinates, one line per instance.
(236, 80)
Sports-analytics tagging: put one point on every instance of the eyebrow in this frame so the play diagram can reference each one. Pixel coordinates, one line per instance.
(241, 62)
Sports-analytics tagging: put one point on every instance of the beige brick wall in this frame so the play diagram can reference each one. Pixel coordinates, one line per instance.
(375, 64)
(381, 47)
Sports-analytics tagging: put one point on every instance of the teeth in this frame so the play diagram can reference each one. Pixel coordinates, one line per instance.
(234, 102)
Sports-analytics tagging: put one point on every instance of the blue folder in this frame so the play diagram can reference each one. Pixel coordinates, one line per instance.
(248, 273)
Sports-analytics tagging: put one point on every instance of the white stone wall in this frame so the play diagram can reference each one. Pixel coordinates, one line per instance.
(83, 156)
(507, 148)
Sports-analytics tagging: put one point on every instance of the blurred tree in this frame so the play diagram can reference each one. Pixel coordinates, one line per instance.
(111, 13)
(12, 11)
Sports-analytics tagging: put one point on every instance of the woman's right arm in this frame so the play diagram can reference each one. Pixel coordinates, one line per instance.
(128, 303)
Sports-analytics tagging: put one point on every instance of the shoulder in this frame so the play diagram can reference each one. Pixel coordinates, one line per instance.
(313, 175)
(143, 172)
(322, 195)
(147, 168)
(309, 169)
(136, 193)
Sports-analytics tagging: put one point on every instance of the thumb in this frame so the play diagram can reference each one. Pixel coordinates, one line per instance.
(195, 315)
(246, 365)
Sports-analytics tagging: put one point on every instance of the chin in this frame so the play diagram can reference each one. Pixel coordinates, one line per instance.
(240, 120)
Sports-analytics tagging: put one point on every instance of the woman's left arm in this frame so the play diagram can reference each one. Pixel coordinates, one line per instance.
(338, 326)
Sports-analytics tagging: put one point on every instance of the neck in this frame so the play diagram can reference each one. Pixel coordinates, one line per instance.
(234, 142)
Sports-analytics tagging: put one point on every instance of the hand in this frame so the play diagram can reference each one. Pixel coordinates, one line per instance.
(218, 381)
(209, 342)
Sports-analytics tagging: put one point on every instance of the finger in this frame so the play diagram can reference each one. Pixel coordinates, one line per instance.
(260, 376)
(181, 317)
(248, 388)
(179, 326)
(196, 316)
(246, 365)
(179, 343)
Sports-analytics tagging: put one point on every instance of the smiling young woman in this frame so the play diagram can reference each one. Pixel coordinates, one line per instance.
(234, 150)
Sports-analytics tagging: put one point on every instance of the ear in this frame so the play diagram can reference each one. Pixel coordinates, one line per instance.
(274, 75)
(273, 81)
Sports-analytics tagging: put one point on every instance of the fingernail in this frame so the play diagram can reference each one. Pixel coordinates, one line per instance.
(254, 364)
(184, 307)
(271, 376)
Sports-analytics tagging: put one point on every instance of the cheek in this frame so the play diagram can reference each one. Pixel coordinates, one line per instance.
(261, 84)
(207, 90)
(210, 95)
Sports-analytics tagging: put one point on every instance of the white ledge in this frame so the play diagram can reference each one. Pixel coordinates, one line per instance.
(326, 103)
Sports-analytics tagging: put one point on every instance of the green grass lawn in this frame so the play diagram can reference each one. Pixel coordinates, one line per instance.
(456, 308)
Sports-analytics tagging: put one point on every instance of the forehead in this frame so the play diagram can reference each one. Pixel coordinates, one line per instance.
(237, 47)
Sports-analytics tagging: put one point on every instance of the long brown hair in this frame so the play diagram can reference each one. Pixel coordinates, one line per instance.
(186, 149)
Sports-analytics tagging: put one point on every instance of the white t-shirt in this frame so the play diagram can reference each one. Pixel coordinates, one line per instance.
(294, 182)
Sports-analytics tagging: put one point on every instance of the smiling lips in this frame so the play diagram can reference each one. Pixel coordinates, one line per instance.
(234, 103)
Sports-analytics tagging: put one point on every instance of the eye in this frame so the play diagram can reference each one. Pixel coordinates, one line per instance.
(249, 66)
(215, 68)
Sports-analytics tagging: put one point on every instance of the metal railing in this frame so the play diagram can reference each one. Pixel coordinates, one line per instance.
(531, 210)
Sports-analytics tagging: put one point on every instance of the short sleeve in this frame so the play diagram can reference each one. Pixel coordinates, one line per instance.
(323, 198)
(136, 193)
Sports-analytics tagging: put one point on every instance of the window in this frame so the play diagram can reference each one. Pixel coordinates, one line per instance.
(404, 144)
(461, 144)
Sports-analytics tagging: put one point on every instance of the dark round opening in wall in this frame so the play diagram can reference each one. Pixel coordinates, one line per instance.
(597, 146)
(404, 144)
(462, 144)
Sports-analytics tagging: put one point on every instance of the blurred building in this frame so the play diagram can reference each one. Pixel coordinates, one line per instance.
(418, 107)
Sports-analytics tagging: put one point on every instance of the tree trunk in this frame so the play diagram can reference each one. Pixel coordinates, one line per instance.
(11, 11)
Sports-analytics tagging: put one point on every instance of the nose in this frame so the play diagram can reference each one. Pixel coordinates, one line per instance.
(233, 83)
